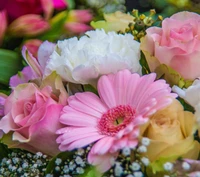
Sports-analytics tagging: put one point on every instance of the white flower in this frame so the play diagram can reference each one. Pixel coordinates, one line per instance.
(96, 53)
(191, 95)
(168, 166)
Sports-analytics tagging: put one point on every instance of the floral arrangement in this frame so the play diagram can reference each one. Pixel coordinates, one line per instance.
(119, 100)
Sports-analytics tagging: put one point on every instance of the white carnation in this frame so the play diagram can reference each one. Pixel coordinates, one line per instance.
(97, 53)
(191, 95)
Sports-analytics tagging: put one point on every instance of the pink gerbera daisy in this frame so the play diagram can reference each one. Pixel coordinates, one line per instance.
(111, 120)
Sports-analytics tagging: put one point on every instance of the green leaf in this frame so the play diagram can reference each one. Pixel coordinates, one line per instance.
(91, 171)
(70, 4)
(90, 88)
(57, 27)
(10, 64)
(3, 151)
(144, 64)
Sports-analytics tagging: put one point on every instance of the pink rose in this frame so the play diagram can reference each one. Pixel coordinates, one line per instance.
(176, 44)
(32, 118)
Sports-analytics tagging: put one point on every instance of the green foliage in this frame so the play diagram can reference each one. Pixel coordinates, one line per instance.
(70, 4)
(90, 88)
(144, 64)
(3, 151)
(91, 172)
(10, 64)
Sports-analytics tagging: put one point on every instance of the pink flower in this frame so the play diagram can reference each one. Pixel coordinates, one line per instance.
(17, 8)
(38, 64)
(59, 4)
(33, 45)
(77, 21)
(3, 25)
(176, 44)
(28, 25)
(32, 116)
(2, 102)
(111, 120)
(22, 77)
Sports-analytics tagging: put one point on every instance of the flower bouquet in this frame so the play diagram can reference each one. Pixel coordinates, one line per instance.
(120, 100)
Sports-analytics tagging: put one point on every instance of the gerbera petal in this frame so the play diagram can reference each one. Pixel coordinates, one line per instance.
(120, 83)
(142, 87)
(103, 145)
(79, 106)
(83, 142)
(102, 162)
(76, 118)
(134, 80)
(106, 91)
(92, 100)
(70, 132)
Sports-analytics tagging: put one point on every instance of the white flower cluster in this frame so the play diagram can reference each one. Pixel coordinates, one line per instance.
(96, 53)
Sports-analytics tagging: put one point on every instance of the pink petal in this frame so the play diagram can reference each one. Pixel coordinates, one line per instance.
(74, 132)
(7, 124)
(44, 52)
(3, 26)
(102, 146)
(92, 100)
(121, 84)
(79, 106)
(76, 118)
(81, 142)
(32, 62)
(102, 162)
(106, 91)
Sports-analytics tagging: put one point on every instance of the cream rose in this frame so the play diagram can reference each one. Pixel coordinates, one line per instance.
(171, 134)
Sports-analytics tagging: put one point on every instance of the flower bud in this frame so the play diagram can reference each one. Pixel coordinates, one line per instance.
(82, 16)
(28, 25)
(32, 45)
(77, 27)
(3, 25)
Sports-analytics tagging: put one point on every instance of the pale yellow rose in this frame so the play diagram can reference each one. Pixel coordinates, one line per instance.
(117, 21)
(171, 135)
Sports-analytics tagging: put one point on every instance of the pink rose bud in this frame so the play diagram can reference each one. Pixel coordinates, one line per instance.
(48, 8)
(82, 16)
(3, 25)
(77, 27)
(33, 45)
(28, 25)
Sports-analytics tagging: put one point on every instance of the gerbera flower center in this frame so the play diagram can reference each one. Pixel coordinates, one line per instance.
(116, 119)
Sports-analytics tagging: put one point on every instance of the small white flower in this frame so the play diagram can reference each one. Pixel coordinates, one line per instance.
(145, 141)
(126, 151)
(96, 53)
(118, 170)
(135, 166)
(129, 175)
(138, 174)
(186, 166)
(145, 161)
(168, 166)
(142, 149)
(58, 161)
